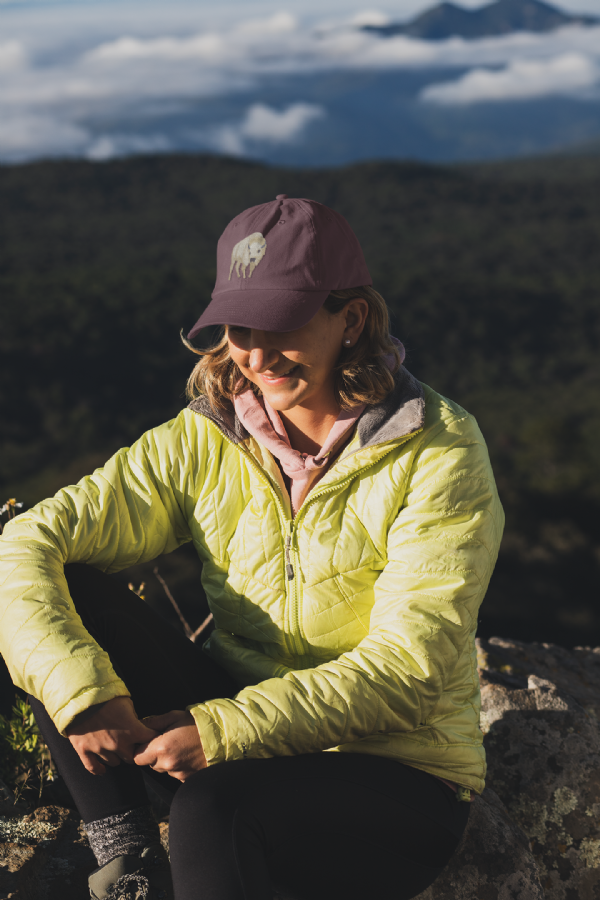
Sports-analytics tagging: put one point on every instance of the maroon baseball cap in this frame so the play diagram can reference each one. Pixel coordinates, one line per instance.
(277, 264)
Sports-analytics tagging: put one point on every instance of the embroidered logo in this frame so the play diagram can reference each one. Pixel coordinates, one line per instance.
(247, 253)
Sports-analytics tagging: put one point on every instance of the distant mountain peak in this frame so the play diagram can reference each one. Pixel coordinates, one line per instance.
(500, 17)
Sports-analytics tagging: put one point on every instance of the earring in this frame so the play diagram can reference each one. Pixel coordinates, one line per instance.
(347, 342)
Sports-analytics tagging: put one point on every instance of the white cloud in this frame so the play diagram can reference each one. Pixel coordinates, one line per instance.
(520, 80)
(109, 146)
(200, 46)
(51, 136)
(280, 23)
(12, 55)
(44, 135)
(280, 44)
(370, 17)
(263, 124)
(244, 42)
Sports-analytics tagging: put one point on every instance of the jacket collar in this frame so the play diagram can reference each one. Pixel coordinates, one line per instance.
(399, 415)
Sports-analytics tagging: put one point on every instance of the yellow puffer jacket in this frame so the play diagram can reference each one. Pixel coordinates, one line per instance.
(368, 648)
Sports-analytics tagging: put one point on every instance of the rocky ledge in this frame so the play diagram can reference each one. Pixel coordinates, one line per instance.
(534, 833)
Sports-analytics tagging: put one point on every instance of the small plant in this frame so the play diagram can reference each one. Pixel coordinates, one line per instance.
(139, 590)
(25, 761)
(9, 510)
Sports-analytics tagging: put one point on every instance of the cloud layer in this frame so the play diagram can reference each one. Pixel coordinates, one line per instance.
(568, 74)
(130, 92)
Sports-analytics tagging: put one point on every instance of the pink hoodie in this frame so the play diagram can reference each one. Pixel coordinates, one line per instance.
(264, 423)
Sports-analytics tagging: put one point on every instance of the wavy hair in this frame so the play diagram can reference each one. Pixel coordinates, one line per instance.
(363, 373)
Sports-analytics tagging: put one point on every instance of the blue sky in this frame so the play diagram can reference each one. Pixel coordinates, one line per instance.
(99, 78)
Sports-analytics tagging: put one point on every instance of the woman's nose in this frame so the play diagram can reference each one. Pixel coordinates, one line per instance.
(259, 359)
(261, 356)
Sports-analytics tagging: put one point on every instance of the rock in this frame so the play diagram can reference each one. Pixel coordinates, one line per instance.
(492, 862)
(543, 753)
(44, 855)
(576, 672)
(535, 832)
(164, 833)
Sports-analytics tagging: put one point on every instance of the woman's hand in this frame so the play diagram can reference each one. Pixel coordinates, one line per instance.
(108, 733)
(178, 750)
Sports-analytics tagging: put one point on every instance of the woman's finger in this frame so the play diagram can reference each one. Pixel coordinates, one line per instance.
(141, 748)
(109, 758)
(146, 755)
(92, 763)
(143, 732)
(179, 776)
(164, 721)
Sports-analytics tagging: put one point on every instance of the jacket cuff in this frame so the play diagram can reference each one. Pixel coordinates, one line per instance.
(63, 718)
(211, 735)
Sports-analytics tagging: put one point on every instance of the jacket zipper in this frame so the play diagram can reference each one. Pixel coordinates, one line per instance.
(294, 602)
(289, 569)
(298, 646)
(302, 510)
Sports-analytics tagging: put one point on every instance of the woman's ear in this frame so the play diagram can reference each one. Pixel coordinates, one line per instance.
(355, 313)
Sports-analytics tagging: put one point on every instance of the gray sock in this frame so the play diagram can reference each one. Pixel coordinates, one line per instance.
(122, 834)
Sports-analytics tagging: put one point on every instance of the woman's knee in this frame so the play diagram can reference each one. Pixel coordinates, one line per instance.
(203, 800)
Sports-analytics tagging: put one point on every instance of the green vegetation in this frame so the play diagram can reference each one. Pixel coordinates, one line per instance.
(492, 273)
(24, 758)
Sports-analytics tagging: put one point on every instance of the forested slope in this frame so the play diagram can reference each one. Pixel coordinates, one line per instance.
(492, 272)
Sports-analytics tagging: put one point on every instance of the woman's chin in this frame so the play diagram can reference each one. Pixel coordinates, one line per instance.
(282, 399)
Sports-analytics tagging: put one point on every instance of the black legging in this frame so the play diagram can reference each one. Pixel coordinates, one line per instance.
(316, 827)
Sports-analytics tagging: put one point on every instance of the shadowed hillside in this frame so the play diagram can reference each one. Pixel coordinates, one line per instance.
(493, 276)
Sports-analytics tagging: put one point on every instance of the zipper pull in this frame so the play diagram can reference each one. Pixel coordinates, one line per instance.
(289, 569)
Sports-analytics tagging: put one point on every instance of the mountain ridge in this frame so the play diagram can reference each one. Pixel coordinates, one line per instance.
(448, 19)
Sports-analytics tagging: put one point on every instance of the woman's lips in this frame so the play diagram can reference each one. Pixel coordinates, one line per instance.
(279, 379)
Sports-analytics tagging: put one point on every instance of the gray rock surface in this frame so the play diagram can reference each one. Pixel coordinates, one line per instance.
(44, 855)
(540, 714)
(576, 672)
(544, 763)
(493, 861)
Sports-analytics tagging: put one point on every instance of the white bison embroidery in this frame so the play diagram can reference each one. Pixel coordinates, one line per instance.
(248, 252)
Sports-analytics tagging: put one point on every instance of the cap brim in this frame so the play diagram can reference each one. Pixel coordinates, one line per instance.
(266, 310)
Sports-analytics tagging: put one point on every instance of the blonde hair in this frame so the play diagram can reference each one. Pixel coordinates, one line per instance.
(362, 373)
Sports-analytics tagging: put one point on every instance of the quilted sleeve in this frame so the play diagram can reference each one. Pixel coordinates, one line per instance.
(131, 510)
(442, 548)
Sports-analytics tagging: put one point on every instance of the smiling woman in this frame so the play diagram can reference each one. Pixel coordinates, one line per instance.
(361, 374)
(348, 524)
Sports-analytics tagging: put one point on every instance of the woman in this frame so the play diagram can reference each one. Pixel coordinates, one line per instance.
(348, 524)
